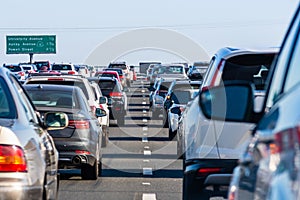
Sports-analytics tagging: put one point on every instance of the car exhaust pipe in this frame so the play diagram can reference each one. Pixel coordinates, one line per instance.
(76, 160)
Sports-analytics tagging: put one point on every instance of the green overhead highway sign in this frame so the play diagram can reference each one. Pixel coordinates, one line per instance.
(30, 44)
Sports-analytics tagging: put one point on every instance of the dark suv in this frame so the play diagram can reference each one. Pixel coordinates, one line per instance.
(117, 99)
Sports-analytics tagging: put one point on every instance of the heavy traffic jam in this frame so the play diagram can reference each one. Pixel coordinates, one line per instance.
(232, 120)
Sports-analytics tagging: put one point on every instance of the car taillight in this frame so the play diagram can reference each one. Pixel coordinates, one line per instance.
(55, 79)
(232, 193)
(82, 152)
(207, 171)
(181, 109)
(21, 73)
(287, 139)
(79, 124)
(71, 72)
(12, 159)
(93, 108)
(115, 94)
(217, 76)
(121, 76)
(101, 106)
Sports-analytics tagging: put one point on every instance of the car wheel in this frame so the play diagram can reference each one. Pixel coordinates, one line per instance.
(172, 134)
(192, 191)
(100, 168)
(155, 114)
(89, 172)
(104, 136)
(121, 121)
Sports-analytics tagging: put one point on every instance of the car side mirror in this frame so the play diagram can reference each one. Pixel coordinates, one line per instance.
(231, 102)
(56, 120)
(103, 100)
(100, 112)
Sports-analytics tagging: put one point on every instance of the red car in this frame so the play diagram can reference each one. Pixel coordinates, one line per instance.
(113, 74)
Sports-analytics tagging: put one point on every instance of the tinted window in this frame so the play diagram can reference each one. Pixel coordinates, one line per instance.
(72, 83)
(281, 65)
(53, 98)
(181, 97)
(13, 68)
(7, 106)
(61, 67)
(294, 69)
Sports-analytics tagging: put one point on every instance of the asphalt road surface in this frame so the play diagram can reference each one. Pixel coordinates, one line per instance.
(139, 162)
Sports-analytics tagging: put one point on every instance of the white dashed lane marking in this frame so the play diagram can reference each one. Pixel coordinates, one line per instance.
(147, 153)
(145, 128)
(150, 196)
(145, 120)
(144, 139)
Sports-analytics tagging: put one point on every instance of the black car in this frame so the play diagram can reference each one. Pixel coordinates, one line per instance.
(117, 99)
(79, 143)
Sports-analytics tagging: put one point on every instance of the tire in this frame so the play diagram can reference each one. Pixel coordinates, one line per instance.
(121, 121)
(172, 134)
(90, 172)
(192, 190)
(155, 114)
(104, 136)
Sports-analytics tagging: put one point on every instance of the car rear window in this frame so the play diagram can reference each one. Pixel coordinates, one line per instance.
(252, 68)
(170, 70)
(72, 83)
(181, 97)
(61, 67)
(107, 75)
(13, 68)
(121, 66)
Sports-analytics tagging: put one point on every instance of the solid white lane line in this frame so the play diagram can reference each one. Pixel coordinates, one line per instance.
(147, 171)
(150, 196)
(144, 139)
(147, 152)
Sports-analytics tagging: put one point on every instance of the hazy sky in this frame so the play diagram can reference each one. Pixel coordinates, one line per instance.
(80, 26)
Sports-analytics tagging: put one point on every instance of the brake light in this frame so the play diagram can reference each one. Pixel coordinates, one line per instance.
(21, 73)
(71, 72)
(207, 171)
(79, 124)
(101, 106)
(181, 109)
(217, 76)
(115, 94)
(93, 108)
(55, 79)
(82, 152)
(12, 159)
(287, 139)
(121, 76)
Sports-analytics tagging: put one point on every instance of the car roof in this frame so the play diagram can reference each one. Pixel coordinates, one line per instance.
(51, 87)
(228, 52)
(58, 77)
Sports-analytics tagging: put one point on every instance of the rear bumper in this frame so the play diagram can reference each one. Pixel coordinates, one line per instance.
(71, 159)
(222, 177)
(16, 186)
